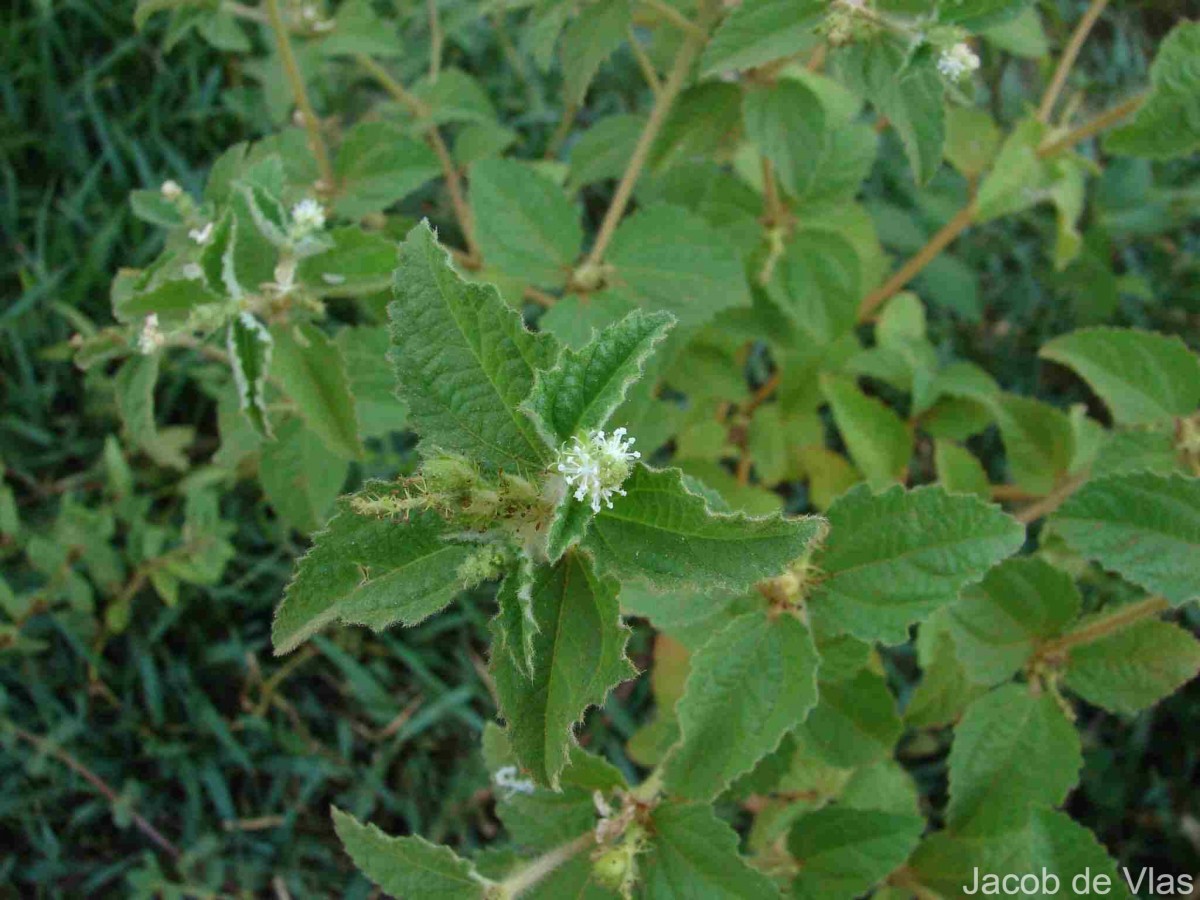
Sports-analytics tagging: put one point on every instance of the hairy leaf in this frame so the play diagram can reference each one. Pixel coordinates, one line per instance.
(464, 360)
(310, 368)
(843, 852)
(1134, 668)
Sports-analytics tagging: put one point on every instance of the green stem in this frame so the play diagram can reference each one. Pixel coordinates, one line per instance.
(1102, 627)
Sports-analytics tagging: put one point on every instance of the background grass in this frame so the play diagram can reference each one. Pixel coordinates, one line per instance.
(234, 756)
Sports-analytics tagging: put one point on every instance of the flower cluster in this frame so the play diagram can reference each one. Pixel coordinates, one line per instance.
(506, 779)
(150, 338)
(598, 466)
(308, 217)
(958, 61)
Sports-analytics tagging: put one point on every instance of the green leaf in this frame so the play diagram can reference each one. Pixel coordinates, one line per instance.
(1012, 752)
(1039, 442)
(844, 852)
(249, 345)
(959, 470)
(785, 121)
(972, 139)
(408, 866)
(464, 360)
(944, 690)
(759, 31)
(454, 96)
(1019, 178)
(524, 223)
(1144, 378)
(1134, 668)
(357, 29)
(587, 41)
(749, 685)
(603, 150)
(585, 386)
(666, 534)
(665, 257)
(694, 854)
(310, 368)
(364, 350)
(906, 90)
(134, 387)
(378, 165)
(1167, 125)
(998, 624)
(578, 655)
(1144, 527)
(854, 722)
(300, 476)
(893, 558)
(974, 15)
(817, 284)
(364, 570)
(170, 300)
(879, 441)
(359, 263)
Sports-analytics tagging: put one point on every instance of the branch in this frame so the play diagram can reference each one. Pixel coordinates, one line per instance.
(1050, 502)
(662, 105)
(923, 257)
(1102, 627)
(1070, 53)
(462, 212)
(300, 93)
(1088, 129)
(44, 746)
(678, 19)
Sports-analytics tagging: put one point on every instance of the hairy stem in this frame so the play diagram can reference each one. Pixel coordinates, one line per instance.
(1069, 55)
(1050, 502)
(295, 78)
(1102, 627)
(1092, 127)
(691, 48)
(462, 212)
(519, 882)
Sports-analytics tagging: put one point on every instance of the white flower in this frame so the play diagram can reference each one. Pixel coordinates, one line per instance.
(506, 779)
(193, 272)
(202, 235)
(307, 216)
(597, 467)
(171, 190)
(958, 61)
(151, 338)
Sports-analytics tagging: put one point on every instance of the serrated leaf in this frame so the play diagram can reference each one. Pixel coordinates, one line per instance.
(1144, 527)
(585, 386)
(364, 349)
(1167, 125)
(694, 854)
(1019, 178)
(249, 345)
(893, 558)
(377, 165)
(879, 441)
(309, 366)
(908, 91)
(944, 690)
(974, 15)
(1134, 668)
(587, 41)
(759, 31)
(842, 852)
(854, 722)
(364, 570)
(1143, 377)
(959, 470)
(514, 627)
(578, 655)
(1039, 442)
(998, 624)
(170, 300)
(665, 257)
(464, 360)
(753, 682)
(407, 866)
(357, 29)
(666, 534)
(1012, 752)
(300, 476)
(817, 284)
(358, 263)
(603, 150)
(134, 390)
(524, 223)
